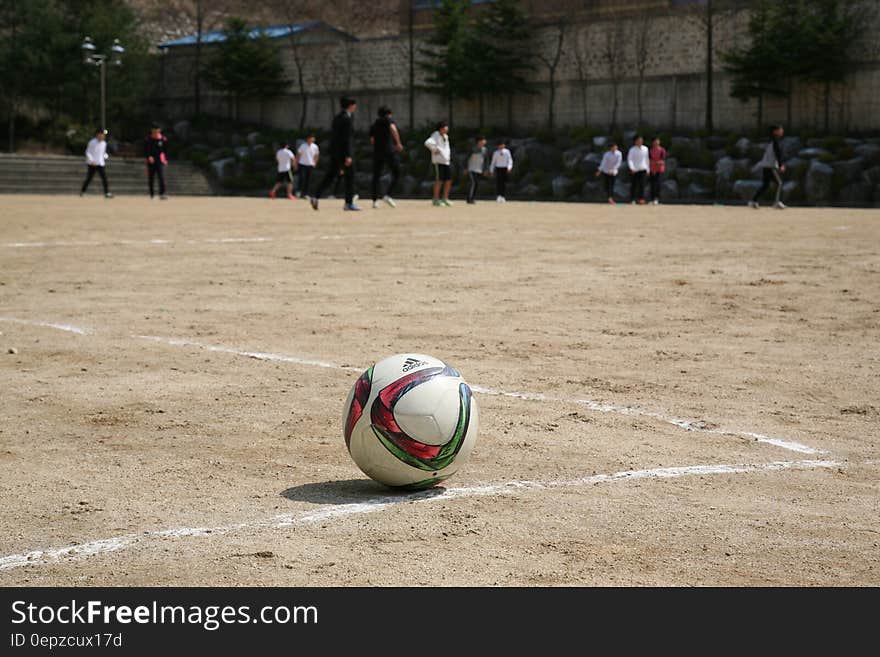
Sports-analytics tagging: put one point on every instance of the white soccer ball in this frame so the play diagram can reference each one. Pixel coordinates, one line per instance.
(410, 421)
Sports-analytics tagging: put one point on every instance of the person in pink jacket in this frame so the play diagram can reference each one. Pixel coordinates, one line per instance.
(657, 159)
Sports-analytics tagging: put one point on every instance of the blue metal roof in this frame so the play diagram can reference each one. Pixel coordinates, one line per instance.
(271, 31)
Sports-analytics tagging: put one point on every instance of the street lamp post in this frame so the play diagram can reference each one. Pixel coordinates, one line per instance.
(91, 57)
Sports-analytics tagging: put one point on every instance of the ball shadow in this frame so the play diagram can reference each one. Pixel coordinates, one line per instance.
(354, 491)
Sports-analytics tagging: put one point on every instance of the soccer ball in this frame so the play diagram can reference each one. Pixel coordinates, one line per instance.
(410, 421)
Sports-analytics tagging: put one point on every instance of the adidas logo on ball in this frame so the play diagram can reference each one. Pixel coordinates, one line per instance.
(412, 363)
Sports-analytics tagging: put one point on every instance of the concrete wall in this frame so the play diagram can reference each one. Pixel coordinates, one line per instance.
(375, 71)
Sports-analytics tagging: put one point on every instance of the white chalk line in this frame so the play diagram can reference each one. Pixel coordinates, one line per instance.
(230, 240)
(218, 240)
(687, 425)
(61, 327)
(381, 503)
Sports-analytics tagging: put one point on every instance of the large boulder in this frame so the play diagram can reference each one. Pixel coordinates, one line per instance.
(745, 189)
(253, 138)
(684, 144)
(742, 147)
(813, 153)
(818, 183)
(671, 166)
(702, 177)
(871, 176)
(562, 186)
(543, 156)
(593, 191)
(728, 171)
(791, 146)
(792, 191)
(224, 167)
(573, 156)
(756, 151)
(858, 194)
(241, 152)
(408, 185)
(696, 193)
(668, 191)
(870, 152)
(621, 190)
(529, 191)
(589, 164)
(796, 168)
(848, 171)
(182, 130)
(601, 142)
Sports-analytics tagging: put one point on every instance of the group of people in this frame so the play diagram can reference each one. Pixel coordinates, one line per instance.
(643, 162)
(155, 153)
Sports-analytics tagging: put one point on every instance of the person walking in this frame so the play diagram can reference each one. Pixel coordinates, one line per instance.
(96, 159)
(609, 168)
(657, 167)
(773, 168)
(441, 158)
(385, 138)
(501, 166)
(307, 156)
(637, 160)
(156, 148)
(476, 166)
(286, 161)
(341, 154)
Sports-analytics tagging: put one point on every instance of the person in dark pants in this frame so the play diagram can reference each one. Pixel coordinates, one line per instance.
(609, 168)
(773, 169)
(96, 158)
(657, 163)
(156, 149)
(476, 166)
(385, 138)
(500, 167)
(307, 156)
(341, 153)
(638, 162)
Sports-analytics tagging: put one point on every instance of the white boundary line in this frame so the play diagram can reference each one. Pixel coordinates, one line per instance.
(61, 327)
(381, 503)
(687, 425)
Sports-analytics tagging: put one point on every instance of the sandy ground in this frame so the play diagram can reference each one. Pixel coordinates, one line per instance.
(739, 321)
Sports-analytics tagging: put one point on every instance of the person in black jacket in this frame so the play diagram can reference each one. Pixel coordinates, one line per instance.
(341, 153)
(773, 168)
(385, 138)
(156, 149)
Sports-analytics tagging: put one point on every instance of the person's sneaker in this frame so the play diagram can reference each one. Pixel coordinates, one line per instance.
(754, 205)
(314, 203)
(632, 202)
(642, 201)
(656, 201)
(299, 194)
(109, 195)
(779, 205)
(470, 202)
(351, 207)
(436, 202)
(355, 199)
(291, 197)
(446, 203)
(611, 201)
(163, 197)
(500, 199)
(272, 193)
(503, 199)
(375, 205)
(389, 201)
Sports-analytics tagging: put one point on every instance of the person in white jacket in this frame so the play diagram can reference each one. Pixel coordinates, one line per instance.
(638, 161)
(441, 158)
(609, 168)
(501, 166)
(96, 159)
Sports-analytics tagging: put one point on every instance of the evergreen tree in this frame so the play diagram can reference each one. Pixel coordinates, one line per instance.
(446, 60)
(247, 63)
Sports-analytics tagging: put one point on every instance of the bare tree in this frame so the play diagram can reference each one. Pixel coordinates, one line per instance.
(549, 53)
(580, 52)
(613, 55)
(641, 51)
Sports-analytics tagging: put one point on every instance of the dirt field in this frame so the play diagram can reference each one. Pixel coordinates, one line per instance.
(172, 411)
